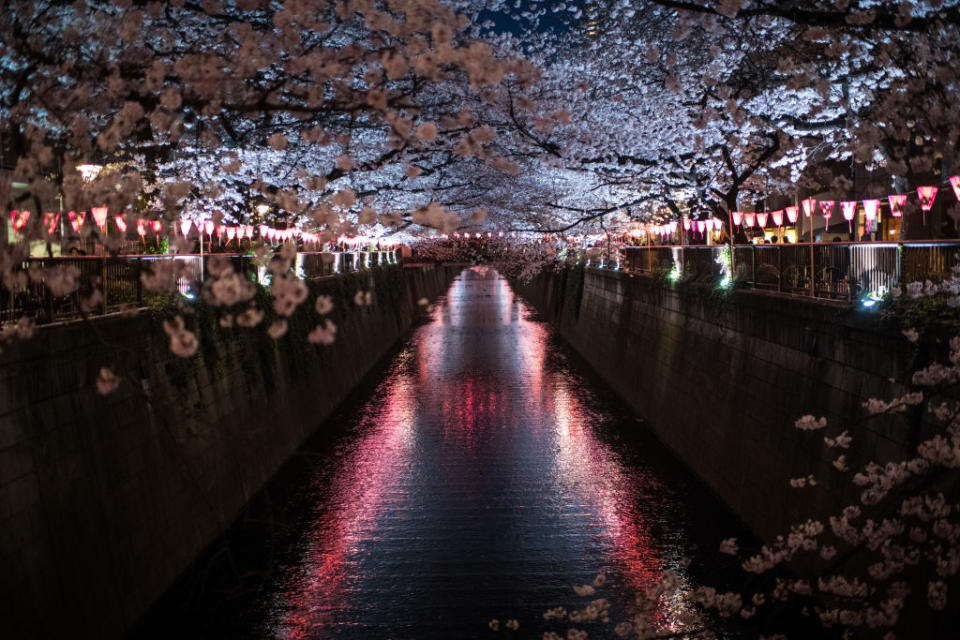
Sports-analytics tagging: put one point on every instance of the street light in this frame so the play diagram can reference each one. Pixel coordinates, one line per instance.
(89, 171)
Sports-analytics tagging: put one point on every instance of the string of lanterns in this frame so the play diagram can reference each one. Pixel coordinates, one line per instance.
(186, 226)
(871, 207)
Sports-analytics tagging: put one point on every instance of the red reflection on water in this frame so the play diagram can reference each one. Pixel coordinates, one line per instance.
(510, 399)
(315, 592)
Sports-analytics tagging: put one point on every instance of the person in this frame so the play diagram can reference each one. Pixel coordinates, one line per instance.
(773, 239)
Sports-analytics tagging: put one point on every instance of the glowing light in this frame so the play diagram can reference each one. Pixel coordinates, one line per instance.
(826, 209)
(76, 220)
(792, 213)
(955, 183)
(141, 231)
(809, 206)
(157, 226)
(686, 224)
(927, 196)
(748, 219)
(89, 171)
(50, 221)
(870, 209)
(762, 219)
(777, 218)
(19, 219)
(100, 217)
(896, 204)
(208, 227)
(185, 227)
(849, 211)
(737, 218)
(121, 223)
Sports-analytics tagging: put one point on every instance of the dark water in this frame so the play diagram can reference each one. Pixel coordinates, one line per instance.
(482, 477)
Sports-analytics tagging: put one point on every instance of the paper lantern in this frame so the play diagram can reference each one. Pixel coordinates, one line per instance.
(896, 204)
(762, 219)
(826, 209)
(231, 233)
(100, 217)
(809, 206)
(50, 221)
(777, 218)
(701, 226)
(19, 219)
(737, 218)
(709, 224)
(157, 226)
(141, 231)
(849, 211)
(717, 224)
(185, 227)
(792, 213)
(955, 183)
(76, 220)
(686, 224)
(927, 195)
(208, 227)
(748, 219)
(121, 223)
(870, 209)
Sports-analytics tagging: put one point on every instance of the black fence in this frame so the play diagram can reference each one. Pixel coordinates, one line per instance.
(836, 270)
(32, 289)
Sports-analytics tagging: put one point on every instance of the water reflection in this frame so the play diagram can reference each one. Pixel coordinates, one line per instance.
(483, 479)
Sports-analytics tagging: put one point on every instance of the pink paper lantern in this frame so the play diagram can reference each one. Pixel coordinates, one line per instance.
(849, 211)
(100, 217)
(955, 183)
(737, 218)
(157, 226)
(231, 233)
(19, 220)
(121, 223)
(185, 227)
(141, 230)
(792, 213)
(870, 209)
(778, 217)
(896, 204)
(927, 196)
(749, 218)
(762, 219)
(208, 227)
(809, 206)
(50, 221)
(686, 224)
(826, 209)
(76, 220)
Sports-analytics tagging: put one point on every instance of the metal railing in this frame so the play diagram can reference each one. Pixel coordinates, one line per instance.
(835, 271)
(118, 279)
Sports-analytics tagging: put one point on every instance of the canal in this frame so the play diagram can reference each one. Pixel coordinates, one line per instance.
(481, 474)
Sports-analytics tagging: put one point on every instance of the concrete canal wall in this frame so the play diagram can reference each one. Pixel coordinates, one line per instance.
(105, 500)
(721, 379)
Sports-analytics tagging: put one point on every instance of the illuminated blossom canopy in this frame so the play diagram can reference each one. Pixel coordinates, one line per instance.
(450, 114)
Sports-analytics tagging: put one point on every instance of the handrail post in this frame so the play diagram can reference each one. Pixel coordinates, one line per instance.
(136, 275)
(103, 284)
(779, 268)
(813, 274)
(849, 273)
